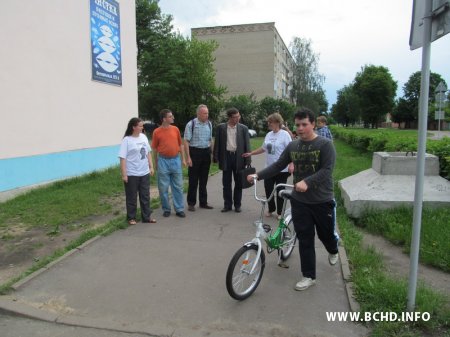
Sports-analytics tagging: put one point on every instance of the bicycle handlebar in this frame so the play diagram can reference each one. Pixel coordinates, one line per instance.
(263, 200)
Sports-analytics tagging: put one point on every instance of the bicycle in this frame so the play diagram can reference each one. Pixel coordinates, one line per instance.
(246, 268)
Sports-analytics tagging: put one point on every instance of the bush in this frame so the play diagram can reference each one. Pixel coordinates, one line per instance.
(392, 140)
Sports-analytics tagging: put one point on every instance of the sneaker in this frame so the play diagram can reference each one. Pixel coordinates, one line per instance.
(333, 258)
(191, 208)
(181, 214)
(279, 217)
(304, 283)
(166, 214)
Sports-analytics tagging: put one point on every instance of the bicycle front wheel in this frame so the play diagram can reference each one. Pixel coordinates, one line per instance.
(240, 283)
(288, 240)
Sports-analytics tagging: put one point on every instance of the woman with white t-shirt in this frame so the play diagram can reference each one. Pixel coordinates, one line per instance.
(274, 144)
(136, 166)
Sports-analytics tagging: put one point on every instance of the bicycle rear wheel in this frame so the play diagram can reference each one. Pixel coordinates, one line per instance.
(288, 240)
(240, 283)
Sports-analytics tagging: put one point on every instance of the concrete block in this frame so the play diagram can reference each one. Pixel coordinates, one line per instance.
(398, 163)
(370, 190)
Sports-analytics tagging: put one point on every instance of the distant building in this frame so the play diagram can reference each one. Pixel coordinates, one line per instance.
(250, 58)
(68, 88)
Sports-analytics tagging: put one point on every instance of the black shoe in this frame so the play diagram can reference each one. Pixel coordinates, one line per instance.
(166, 214)
(191, 208)
(225, 210)
(206, 206)
(181, 214)
(237, 210)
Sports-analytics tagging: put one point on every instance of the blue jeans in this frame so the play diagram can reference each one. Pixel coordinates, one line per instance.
(170, 174)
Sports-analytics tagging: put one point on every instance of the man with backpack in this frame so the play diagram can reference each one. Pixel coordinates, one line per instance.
(198, 141)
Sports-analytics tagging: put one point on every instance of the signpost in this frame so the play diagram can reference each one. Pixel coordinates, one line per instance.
(430, 21)
(440, 91)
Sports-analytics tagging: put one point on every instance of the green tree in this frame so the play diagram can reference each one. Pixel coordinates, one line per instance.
(407, 108)
(346, 110)
(376, 90)
(173, 72)
(307, 88)
(269, 105)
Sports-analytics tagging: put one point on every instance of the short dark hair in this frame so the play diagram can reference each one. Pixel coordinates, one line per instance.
(163, 113)
(305, 113)
(231, 112)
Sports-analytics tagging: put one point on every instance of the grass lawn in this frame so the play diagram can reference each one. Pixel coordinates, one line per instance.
(375, 290)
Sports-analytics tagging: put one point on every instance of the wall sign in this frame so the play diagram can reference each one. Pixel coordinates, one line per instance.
(105, 42)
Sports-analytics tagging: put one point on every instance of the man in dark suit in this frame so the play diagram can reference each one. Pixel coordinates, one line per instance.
(232, 141)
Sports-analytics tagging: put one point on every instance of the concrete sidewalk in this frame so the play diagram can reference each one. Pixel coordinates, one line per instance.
(168, 278)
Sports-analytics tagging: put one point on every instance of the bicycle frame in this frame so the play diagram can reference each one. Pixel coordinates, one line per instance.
(272, 241)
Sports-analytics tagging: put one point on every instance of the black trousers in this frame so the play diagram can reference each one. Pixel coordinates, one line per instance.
(309, 218)
(231, 197)
(198, 175)
(135, 186)
(269, 183)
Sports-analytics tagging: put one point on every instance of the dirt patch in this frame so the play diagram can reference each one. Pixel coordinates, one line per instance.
(21, 246)
(397, 264)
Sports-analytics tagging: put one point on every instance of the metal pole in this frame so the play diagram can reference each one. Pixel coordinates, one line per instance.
(439, 119)
(420, 169)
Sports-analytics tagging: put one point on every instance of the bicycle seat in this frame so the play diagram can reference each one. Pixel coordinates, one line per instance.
(287, 194)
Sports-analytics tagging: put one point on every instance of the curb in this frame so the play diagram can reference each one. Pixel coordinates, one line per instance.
(346, 275)
(28, 278)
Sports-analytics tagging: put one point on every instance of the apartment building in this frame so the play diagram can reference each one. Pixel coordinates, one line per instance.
(251, 58)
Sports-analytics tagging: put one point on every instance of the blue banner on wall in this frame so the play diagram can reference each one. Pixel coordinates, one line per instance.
(105, 42)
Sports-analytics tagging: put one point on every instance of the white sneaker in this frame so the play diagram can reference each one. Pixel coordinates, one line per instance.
(304, 283)
(333, 258)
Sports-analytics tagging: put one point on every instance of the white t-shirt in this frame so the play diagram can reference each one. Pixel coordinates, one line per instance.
(135, 150)
(274, 144)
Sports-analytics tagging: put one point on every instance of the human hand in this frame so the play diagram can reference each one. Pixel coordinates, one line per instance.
(152, 171)
(125, 179)
(291, 168)
(247, 154)
(301, 186)
(189, 162)
(251, 178)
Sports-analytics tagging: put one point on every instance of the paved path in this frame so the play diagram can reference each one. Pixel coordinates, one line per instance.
(169, 279)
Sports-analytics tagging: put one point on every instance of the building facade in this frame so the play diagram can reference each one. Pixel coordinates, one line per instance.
(68, 87)
(250, 58)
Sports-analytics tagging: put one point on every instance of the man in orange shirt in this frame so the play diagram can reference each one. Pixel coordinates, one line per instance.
(166, 142)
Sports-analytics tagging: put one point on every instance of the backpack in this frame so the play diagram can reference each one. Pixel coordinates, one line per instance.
(193, 125)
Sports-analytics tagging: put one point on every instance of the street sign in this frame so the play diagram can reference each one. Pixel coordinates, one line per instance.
(440, 97)
(441, 87)
(440, 23)
(439, 115)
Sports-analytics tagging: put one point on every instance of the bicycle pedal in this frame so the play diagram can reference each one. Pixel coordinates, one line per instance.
(267, 228)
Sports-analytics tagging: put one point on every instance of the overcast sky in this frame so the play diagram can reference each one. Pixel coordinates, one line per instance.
(347, 34)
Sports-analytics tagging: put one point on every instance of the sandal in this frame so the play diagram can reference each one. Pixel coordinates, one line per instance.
(152, 221)
(132, 222)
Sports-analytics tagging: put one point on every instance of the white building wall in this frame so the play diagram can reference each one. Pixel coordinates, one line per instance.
(48, 102)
